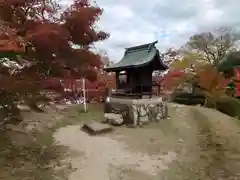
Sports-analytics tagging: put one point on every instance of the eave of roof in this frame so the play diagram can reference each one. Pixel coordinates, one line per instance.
(137, 56)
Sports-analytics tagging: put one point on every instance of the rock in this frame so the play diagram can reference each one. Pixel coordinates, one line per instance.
(114, 119)
(24, 108)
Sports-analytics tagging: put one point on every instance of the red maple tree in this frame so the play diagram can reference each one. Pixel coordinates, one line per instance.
(212, 83)
(38, 40)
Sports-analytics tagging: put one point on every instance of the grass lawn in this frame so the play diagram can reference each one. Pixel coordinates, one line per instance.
(76, 115)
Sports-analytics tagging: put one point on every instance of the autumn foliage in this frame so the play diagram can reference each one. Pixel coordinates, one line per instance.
(72, 89)
(207, 78)
(39, 39)
(172, 79)
(212, 82)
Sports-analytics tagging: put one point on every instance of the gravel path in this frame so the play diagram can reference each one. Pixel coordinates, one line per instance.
(96, 155)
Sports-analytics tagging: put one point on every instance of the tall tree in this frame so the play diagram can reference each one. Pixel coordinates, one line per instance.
(199, 59)
(44, 40)
(213, 46)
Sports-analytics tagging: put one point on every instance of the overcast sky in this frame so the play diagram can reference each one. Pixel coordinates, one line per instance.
(171, 22)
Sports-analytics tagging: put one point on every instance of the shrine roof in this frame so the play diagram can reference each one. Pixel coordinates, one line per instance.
(138, 56)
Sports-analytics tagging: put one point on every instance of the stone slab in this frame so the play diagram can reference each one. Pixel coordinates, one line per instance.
(95, 128)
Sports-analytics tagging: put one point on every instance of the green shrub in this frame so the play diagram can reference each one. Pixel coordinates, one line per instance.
(227, 105)
(230, 106)
(188, 98)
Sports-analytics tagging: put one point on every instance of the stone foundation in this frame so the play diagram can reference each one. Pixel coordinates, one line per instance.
(137, 111)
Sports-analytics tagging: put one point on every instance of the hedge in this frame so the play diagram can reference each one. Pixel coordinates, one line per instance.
(188, 98)
(227, 105)
(230, 106)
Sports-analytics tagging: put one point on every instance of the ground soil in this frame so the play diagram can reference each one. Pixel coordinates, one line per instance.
(180, 147)
(103, 157)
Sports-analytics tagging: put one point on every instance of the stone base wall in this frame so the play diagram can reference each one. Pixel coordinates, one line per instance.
(137, 111)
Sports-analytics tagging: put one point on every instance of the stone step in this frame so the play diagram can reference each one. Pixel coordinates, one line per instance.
(95, 128)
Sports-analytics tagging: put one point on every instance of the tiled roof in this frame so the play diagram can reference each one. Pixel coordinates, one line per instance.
(137, 56)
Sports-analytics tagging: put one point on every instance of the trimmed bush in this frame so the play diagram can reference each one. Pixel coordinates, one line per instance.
(188, 98)
(230, 106)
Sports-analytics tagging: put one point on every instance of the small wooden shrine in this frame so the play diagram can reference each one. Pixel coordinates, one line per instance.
(134, 71)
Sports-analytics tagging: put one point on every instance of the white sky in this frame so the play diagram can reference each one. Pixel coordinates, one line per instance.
(171, 22)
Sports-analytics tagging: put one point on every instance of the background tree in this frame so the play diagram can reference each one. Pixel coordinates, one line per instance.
(213, 46)
(44, 41)
(105, 79)
(199, 58)
(212, 83)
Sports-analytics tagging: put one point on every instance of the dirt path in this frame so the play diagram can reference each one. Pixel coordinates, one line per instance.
(104, 158)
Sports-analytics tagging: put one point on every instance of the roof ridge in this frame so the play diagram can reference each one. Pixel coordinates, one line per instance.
(140, 47)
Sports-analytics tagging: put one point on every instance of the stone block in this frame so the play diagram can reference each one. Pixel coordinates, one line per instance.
(95, 128)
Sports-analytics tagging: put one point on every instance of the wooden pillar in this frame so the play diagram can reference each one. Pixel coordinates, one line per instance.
(117, 79)
(128, 77)
(130, 81)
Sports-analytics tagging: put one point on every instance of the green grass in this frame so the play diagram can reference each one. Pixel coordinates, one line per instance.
(72, 115)
(76, 115)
